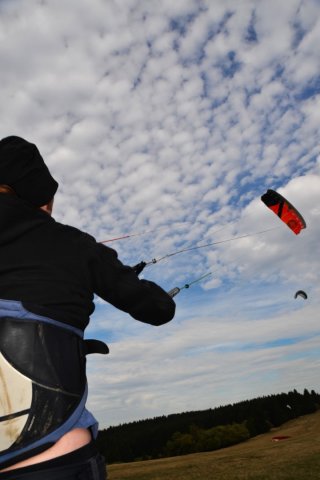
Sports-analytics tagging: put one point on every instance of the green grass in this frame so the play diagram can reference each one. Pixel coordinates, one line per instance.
(260, 458)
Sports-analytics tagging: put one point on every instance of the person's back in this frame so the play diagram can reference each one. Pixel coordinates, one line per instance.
(49, 274)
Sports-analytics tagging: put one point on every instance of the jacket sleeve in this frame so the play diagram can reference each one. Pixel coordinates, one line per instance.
(120, 286)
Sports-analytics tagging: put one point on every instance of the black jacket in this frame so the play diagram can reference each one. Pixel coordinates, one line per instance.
(55, 270)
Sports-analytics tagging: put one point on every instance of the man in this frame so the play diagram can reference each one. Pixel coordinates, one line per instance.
(49, 274)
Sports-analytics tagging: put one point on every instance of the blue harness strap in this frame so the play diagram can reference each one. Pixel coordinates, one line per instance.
(43, 384)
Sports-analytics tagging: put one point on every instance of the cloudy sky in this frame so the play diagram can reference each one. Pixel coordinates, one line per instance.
(167, 120)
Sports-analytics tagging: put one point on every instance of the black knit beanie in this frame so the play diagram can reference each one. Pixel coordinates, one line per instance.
(23, 169)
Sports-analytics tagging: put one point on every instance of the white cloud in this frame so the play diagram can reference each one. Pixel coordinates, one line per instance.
(175, 117)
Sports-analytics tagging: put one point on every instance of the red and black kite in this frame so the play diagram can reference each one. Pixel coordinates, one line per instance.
(285, 211)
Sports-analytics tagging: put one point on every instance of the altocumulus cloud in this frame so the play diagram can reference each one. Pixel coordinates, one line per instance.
(175, 117)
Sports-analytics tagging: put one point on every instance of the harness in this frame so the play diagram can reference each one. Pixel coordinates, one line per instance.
(43, 385)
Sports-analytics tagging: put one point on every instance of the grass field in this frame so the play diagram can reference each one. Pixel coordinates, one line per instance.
(260, 458)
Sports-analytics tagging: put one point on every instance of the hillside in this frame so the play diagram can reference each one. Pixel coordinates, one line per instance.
(260, 458)
(203, 430)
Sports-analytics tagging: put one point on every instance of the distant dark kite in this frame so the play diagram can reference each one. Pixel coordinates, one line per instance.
(301, 293)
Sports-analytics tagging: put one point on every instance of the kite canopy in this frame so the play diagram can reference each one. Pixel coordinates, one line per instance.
(285, 211)
(301, 293)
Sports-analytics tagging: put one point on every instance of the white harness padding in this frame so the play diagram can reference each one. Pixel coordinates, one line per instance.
(15, 403)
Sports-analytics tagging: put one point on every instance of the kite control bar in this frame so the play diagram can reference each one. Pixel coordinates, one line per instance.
(138, 268)
(174, 291)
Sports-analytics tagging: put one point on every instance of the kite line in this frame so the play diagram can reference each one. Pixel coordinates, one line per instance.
(140, 266)
(272, 199)
(174, 291)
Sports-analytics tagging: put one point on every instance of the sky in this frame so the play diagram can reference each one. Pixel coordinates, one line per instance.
(167, 121)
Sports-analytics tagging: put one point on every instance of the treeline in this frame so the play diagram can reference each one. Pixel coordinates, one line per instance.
(203, 430)
(200, 440)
